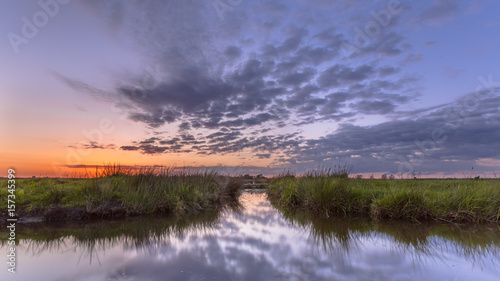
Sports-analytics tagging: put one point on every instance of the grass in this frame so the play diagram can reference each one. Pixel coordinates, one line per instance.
(115, 191)
(145, 191)
(466, 200)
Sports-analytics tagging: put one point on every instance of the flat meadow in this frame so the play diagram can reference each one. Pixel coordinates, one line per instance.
(117, 192)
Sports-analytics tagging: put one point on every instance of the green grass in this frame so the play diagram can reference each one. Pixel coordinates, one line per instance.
(142, 192)
(464, 200)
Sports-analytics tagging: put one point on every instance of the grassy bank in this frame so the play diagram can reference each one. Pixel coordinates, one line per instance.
(117, 192)
(464, 200)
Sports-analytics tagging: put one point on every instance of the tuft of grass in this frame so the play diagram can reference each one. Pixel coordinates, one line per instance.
(336, 171)
(400, 204)
(325, 192)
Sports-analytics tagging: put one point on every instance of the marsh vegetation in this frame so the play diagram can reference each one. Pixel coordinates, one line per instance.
(118, 192)
(330, 192)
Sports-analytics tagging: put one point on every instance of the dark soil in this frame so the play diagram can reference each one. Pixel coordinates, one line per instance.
(106, 210)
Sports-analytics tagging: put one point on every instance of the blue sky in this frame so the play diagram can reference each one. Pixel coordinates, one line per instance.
(397, 87)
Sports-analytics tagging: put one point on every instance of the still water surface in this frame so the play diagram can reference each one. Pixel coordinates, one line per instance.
(254, 242)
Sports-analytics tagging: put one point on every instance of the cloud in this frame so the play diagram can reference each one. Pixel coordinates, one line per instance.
(221, 142)
(341, 75)
(93, 145)
(233, 52)
(149, 141)
(388, 44)
(446, 138)
(210, 75)
(388, 70)
(263, 155)
(412, 58)
(375, 107)
(429, 43)
(250, 82)
(467, 129)
(129, 148)
(440, 11)
(488, 162)
(298, 78)
(150, 149)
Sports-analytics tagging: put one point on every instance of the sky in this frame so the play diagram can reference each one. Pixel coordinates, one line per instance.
(407, 88)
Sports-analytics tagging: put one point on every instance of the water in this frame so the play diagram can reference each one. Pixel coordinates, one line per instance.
(255, 242)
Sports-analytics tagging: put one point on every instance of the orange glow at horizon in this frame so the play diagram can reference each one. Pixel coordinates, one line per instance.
(53, 159)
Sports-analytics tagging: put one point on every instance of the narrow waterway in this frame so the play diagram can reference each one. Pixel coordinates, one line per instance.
(254, 242)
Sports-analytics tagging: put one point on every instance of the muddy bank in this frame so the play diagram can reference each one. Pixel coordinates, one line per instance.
(56, 213)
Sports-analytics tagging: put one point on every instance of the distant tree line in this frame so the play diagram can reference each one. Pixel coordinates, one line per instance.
(250, 177)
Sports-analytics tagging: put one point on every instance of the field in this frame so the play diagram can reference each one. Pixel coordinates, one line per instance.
(462, 200)
(117, 192)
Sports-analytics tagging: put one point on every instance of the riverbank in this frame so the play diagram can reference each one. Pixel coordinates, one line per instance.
(118, 193)
(461, 201)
